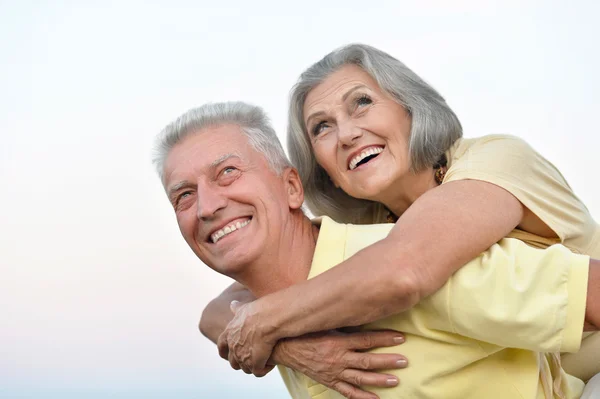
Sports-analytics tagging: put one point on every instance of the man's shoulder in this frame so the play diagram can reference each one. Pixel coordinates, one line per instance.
(353, 236)
(327, 225)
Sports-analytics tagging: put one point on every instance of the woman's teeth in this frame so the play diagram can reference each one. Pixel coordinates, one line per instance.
(366, 153)
(217, 235)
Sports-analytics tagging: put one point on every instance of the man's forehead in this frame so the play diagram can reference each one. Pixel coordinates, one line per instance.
(208, 146)
(206, 149)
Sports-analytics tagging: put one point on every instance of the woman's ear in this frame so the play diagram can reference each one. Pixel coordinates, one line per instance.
(295, 191)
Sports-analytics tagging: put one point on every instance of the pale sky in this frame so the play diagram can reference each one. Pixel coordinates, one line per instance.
(99, 295)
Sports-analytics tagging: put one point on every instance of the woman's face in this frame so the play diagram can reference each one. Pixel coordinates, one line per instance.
(359, 134)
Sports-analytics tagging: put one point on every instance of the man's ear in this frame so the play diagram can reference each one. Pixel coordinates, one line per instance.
(294, 189)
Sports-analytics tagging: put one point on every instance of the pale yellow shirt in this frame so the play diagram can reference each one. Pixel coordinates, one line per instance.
(458, 340)
(512, 164)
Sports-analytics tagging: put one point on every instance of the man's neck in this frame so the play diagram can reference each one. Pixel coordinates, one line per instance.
(289, 262)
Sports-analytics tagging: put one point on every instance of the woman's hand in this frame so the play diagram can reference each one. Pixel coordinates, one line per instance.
(217, 313)
(335, 359)
(339, 361)
(244, 342)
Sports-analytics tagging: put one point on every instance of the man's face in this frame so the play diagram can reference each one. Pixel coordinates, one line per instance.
(230, 205)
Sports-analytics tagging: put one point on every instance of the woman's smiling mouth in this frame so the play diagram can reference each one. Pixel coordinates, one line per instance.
(364, 156)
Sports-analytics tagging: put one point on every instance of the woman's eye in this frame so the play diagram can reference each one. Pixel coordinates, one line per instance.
(363, 100)
(319, 128)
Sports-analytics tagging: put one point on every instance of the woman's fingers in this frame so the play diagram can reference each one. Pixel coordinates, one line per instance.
(375, 339)
(263, 372)
(223, 346)
(374, 361)
(233, 363)
(360, 377)
(340, 362)
(351, 392)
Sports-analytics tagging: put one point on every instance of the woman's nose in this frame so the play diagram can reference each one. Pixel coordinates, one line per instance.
(348, 134)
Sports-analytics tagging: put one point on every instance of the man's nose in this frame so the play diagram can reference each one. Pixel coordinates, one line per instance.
(348, 134)
(210, 201)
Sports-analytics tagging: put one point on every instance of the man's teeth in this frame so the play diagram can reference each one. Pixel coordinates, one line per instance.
(217, 235)
(363, 155)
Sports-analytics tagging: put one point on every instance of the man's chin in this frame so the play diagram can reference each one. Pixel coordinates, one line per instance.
(234, 269)
(231, 262)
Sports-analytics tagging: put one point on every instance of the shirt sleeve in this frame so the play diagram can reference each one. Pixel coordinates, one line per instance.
(511, 163)
(516, 296)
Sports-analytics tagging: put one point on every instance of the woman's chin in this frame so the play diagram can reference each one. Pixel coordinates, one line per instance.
(371, 192)
(374, 183)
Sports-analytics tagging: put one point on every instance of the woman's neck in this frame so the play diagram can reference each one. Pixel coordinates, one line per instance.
(402, 194)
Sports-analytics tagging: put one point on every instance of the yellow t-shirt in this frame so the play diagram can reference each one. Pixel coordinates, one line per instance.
(459, 340)
(512, 164)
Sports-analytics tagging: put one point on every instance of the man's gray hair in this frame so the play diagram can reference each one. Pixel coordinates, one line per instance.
(251, 119)
(434, 127)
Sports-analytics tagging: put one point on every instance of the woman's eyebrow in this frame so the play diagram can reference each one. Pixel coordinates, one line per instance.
(312, 116)
(344, 98)
(352, 90)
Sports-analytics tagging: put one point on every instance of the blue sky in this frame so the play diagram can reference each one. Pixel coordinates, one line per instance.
(99, 295)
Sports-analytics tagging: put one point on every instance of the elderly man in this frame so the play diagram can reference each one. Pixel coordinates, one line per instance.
(238, 205)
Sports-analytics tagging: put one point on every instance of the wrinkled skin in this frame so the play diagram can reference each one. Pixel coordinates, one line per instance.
(243, 343)
(335, 359)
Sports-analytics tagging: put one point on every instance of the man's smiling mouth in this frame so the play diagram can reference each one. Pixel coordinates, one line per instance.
(230, 228)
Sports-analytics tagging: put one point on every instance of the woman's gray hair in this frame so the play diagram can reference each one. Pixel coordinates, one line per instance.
(434, 128)
(251, 119)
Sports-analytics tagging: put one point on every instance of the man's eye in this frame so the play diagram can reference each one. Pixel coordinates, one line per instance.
(228, 175)
(182, 197)
(319, 128)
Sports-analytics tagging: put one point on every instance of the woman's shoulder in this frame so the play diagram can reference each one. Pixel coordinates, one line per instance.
(490, 145)
(502, 156)
(511, 163)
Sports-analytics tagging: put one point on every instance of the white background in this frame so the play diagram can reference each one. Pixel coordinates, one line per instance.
(99, 295)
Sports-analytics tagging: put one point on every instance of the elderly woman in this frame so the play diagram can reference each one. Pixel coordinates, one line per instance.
(373, 141)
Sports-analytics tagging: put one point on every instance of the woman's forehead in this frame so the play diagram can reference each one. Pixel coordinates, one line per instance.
(335, 86)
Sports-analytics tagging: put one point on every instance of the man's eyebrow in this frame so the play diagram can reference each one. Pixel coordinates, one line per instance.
(184, 183)
(344, 98)
(178, 186)
(222, 159)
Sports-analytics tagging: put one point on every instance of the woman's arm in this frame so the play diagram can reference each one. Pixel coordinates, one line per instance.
(592, 309)
(444, 229)
(516, 296)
